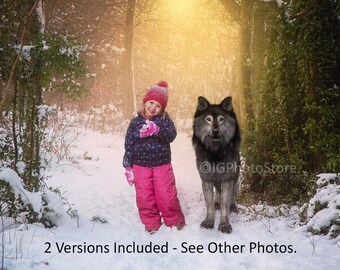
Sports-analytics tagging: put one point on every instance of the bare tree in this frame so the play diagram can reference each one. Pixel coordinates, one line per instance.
(241, 13)
(127, 78)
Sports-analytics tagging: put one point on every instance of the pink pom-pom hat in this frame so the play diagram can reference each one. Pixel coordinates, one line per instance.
(158, 92)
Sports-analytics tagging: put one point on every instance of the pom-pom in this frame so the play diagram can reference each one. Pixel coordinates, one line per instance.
(163, 84)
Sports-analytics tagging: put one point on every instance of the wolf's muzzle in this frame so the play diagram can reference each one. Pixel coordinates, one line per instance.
(215, 132)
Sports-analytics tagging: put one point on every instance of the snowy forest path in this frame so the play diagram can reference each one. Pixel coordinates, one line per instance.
(97, 189)
(93, 185)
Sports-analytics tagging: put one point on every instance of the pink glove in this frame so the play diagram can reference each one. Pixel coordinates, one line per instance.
(148, 129)
(129, 175)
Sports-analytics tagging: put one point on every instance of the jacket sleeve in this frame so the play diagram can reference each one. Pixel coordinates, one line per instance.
(167, 130)
(129, 144)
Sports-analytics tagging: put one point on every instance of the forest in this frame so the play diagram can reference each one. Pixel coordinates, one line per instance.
(279, 60)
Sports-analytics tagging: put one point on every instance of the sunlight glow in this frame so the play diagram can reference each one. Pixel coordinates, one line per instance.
(194, 46)
(180, 8)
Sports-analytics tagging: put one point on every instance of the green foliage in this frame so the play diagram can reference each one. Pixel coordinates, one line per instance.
(15, 206)
(321, 214)
(333, 229)
(336, 230)
(53, 62)
(7, 195)
(6, 145)
(48, 62)
(319, 206)
(295, 105)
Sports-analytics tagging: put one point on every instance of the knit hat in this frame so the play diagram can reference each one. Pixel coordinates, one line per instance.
(158, 92)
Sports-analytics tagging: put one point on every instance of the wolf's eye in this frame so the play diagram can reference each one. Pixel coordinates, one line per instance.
(220, 118)
(209, 118)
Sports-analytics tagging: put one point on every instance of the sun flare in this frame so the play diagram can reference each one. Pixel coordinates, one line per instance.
(180, 8)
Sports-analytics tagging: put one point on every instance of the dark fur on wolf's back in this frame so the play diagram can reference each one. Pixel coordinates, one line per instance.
(216, 140)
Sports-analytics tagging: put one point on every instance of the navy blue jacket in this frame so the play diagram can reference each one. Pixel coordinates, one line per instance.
(150, 151)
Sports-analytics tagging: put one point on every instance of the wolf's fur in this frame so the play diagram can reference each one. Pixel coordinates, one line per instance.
(216, 140)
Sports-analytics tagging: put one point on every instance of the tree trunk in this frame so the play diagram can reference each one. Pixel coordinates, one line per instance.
(241, 13)
(258, 52)
(245, 60)
(127, 78)
(14, 121)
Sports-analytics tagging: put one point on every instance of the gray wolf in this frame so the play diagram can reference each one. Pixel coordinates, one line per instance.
(216, 140)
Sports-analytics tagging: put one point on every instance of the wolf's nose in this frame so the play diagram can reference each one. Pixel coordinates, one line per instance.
(215, 131)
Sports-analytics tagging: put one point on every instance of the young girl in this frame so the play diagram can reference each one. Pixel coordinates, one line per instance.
(147, 162)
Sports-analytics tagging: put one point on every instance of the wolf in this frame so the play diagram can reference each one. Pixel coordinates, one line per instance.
(216, 140)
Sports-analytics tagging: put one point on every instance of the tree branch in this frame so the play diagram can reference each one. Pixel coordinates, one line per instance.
(307, 10)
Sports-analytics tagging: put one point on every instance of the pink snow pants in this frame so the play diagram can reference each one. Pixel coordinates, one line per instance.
(156, 196)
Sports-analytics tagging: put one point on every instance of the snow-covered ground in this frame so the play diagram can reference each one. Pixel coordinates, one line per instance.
(96, 188)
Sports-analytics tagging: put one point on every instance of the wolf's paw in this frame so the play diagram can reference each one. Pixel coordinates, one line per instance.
(225, 227)
(233, 208)
(207, 224)
(217, 206)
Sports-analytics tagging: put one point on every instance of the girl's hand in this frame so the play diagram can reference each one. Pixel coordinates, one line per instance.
(148, 129)
(129, 175)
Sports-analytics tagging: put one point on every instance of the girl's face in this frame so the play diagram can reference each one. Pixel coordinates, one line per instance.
(152, 108)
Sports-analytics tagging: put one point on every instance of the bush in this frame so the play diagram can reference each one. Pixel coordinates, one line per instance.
(322, 214)
(25, 206)
(294, 104)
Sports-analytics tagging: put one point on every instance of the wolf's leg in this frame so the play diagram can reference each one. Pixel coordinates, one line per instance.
(208, 193)
(233, 205)
(227, 193)
(217, 196)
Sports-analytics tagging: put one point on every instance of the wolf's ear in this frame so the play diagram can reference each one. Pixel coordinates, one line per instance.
(227, 104)
(203, 103)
